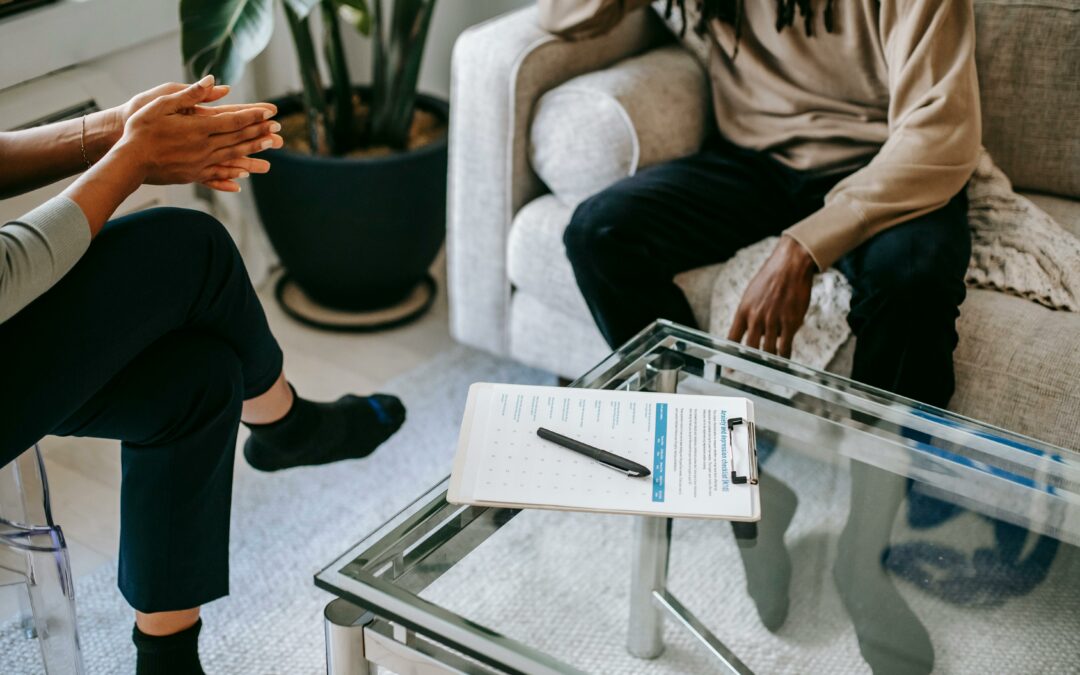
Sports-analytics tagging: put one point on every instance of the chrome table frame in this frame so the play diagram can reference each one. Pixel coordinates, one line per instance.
(378, 618)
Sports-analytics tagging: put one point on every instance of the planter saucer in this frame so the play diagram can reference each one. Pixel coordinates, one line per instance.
(299, 306)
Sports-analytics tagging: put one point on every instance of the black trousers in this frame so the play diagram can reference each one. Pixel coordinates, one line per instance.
(154, 338)
(628, 242)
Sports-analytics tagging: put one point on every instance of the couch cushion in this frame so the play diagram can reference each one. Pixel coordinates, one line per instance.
(603, 126)
(1064, 211)
(1028, 58)
(543, 336)
(536, 257)
(1018, 367)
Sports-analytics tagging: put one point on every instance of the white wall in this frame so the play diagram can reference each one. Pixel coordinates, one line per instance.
(451, 18)
(73, 32)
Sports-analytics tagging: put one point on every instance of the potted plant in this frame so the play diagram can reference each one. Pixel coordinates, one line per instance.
(355, 204)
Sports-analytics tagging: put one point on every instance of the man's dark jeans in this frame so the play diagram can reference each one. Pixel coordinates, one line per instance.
(628, 242)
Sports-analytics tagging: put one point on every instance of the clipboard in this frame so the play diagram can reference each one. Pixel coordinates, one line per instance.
(701, 450)
(751, 451)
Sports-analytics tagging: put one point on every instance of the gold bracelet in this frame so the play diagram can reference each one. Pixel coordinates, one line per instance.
(82, 144)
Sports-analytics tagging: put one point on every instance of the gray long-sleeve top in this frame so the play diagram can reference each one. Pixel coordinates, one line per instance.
(37, 250)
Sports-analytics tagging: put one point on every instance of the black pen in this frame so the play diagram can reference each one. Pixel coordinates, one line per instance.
(620, 464)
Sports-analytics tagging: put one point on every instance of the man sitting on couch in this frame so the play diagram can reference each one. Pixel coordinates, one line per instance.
(851, 129)
(853, 137)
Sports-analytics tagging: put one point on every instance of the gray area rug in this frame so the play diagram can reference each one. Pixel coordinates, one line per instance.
(287, 526)
(559, 581)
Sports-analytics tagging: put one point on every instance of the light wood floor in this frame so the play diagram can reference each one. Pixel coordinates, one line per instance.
(84, 474)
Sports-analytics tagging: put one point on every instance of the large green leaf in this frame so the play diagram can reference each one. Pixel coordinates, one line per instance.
(220, 37)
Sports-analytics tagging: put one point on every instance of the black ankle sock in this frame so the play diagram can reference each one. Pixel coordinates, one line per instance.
(176, 654)
(319, 433)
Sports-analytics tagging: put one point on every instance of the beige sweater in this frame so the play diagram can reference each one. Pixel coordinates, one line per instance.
(893, 84)
(37, 250)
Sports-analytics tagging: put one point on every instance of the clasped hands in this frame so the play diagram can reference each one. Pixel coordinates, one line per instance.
(170, 136)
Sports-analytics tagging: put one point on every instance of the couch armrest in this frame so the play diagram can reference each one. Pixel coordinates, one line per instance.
(499, 70)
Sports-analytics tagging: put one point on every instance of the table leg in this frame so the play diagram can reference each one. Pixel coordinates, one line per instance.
(652, 544)
(652, 540)
(344, 625)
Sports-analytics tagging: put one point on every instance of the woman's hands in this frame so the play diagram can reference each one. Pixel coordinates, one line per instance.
(118, 116)
(222, 177)
(107, 126)
(246, 165)
(172, 139)
(138, 101)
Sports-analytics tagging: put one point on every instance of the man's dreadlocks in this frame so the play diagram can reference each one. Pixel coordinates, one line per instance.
(731, 12)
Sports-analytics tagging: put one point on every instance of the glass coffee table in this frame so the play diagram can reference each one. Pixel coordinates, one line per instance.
(895, 538)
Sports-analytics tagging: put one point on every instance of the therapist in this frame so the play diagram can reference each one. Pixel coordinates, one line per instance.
(146, 329)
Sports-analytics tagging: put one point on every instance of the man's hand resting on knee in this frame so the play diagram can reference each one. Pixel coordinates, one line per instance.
(774, 304)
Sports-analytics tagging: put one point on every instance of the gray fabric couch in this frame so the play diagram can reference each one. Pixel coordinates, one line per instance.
(522, 154)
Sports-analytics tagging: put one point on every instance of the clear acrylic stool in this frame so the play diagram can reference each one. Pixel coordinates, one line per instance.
(33, 554)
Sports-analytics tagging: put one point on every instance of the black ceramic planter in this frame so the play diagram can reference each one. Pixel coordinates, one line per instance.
(356, 234)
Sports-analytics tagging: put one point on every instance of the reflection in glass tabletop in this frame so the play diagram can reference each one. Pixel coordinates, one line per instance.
(896, 537)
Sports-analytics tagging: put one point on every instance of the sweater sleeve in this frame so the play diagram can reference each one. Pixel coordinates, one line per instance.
(580, 19)
(934, 130)
(37, 250)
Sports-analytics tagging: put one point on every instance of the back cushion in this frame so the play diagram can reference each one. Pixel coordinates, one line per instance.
(1028, 57)
(605, 125)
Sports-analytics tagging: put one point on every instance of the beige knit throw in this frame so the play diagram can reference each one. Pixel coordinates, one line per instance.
(1016, 249)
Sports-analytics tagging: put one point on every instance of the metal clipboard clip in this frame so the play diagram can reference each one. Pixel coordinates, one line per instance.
(751, 451)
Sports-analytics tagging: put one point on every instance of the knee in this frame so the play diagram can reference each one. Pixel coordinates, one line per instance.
(919, 264)
(203, 384)
(903, 279)
(181, 248)
(923, 280)
(216, 389)
(595, 227)
(582, 230)
(189, 227)
(168, 234)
